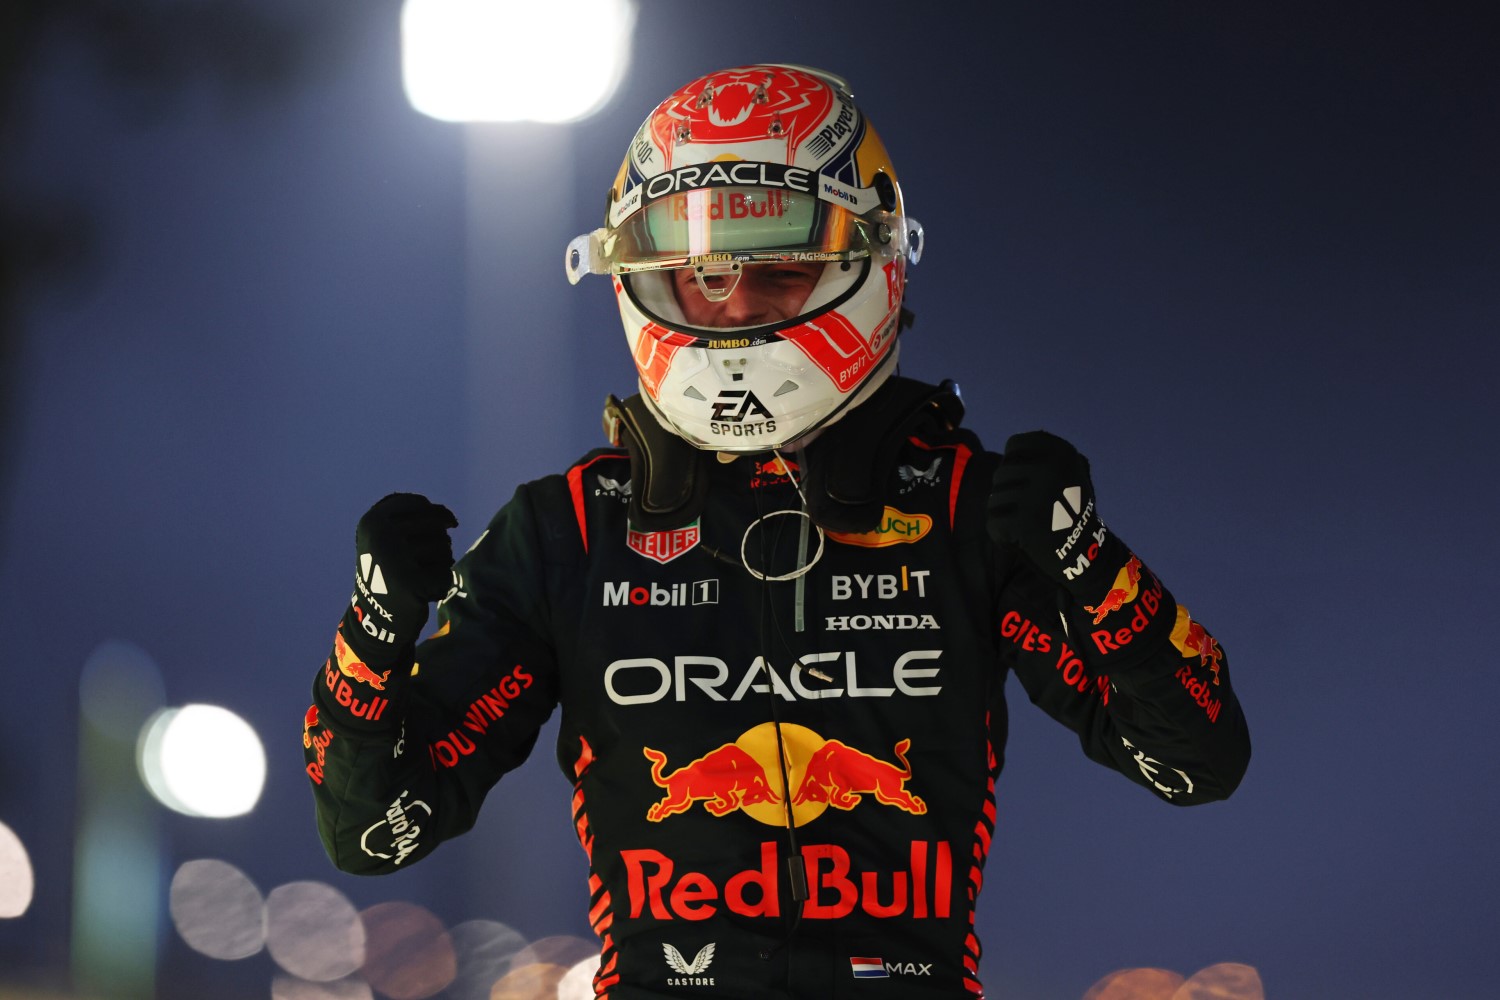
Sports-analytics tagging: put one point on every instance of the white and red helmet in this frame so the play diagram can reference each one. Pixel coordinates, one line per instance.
(756, 165)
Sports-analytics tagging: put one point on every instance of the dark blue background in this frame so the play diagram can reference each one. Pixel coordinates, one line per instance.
(1245, 258)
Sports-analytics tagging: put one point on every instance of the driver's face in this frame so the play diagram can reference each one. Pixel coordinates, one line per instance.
(766, 293)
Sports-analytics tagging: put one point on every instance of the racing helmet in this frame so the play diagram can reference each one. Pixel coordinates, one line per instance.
(758, 166)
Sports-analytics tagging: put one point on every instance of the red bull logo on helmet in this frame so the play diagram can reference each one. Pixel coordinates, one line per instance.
(697, 206)
(746, 776)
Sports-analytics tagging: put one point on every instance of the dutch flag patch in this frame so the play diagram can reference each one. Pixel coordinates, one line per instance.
(868, 968)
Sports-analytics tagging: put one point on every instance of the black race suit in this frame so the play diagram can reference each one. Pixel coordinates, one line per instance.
(676, 669)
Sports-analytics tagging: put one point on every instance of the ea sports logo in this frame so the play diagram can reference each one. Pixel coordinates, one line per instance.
(737, 405)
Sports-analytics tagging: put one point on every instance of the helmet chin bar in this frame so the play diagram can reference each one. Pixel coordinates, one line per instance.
(795, 439)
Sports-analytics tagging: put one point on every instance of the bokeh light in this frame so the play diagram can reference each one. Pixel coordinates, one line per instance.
(119, 688)
(408, 954)
(485, 950)
(1136, 984)
(561, 949)
(217, 910)
(536, 981)
(17, 881)
(538, 970)
(314, 932)
(292, 988)
(578, 982)
(1225, 981)
(202, 760)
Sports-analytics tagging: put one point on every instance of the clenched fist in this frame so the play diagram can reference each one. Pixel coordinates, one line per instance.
(404, 560)
(1042, 501)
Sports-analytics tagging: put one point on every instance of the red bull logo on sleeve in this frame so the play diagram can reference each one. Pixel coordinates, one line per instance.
(342, 667)
(1194, 643)
(352, 667)
(1144, 608)
(1192, 640)
(745, 776)
(317, 742)
(1124, 590)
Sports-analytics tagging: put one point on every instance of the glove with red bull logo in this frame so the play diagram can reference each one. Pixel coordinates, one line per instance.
(404, 563)
(1042, 501)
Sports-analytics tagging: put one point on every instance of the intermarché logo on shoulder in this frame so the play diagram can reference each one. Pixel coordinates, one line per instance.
(622, 593)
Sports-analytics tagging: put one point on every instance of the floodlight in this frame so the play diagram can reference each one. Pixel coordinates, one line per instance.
(500, 60)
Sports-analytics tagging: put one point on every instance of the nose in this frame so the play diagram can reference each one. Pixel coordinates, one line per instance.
(748, 305)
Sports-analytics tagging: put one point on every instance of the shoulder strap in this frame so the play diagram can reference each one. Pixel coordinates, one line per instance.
(849, 464)
(669, 475)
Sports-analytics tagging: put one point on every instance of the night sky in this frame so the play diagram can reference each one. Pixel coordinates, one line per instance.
(1245, 259)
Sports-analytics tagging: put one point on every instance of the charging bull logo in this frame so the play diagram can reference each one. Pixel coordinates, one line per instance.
(353, 667)
(723, 780)
(1192, 640)
(309, 723)
(841, 776)
(1126, 586)
(745, 775)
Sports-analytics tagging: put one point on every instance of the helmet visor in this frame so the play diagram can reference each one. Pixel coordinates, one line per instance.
(745, 224)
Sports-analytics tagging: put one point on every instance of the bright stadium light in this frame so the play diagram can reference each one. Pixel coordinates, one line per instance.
(202, 760)
(503, 60)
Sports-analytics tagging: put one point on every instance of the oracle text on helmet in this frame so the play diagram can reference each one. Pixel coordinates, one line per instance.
(741, 173)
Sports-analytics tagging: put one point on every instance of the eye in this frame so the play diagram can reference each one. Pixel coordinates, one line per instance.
(793, 275)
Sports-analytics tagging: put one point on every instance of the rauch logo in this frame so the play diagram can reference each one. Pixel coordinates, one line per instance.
(895, 527)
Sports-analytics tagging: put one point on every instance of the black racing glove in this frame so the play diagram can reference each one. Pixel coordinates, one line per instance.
(1042, 501)
(404, 562)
